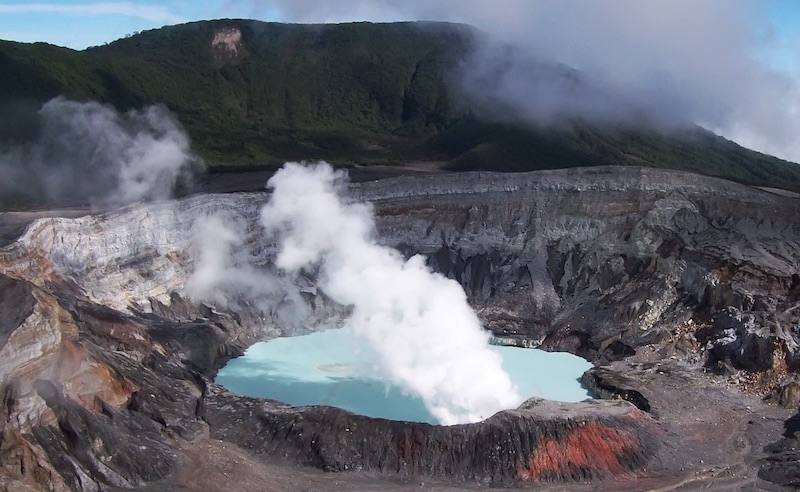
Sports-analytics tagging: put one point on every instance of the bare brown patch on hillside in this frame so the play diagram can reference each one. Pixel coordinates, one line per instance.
(227, 45)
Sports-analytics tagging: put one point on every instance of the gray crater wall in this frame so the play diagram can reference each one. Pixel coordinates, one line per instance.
(576, 259)
(572, 259)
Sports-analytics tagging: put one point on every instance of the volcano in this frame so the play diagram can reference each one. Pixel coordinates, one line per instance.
(678, 288)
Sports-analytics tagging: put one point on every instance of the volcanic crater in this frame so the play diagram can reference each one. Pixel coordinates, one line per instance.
(681, 289)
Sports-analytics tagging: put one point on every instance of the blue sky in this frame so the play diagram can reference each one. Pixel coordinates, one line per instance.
(80, 23)
(785, 19)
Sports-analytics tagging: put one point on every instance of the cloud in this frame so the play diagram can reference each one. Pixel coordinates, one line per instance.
(79, 152)
(323, 11)
(672, 62)
(151, 13)
(425, 335)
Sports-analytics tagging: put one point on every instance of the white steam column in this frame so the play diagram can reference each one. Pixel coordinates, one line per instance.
(426, 336)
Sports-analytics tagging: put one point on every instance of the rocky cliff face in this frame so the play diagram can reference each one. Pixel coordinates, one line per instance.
(585, 259)
(681, 284)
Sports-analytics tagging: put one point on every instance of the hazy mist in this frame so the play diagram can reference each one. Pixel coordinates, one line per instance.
(86, 152)
(671, 63)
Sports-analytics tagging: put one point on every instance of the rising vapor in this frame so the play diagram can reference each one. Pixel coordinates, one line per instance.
(225, 275)
(426, 336)
(86, 151)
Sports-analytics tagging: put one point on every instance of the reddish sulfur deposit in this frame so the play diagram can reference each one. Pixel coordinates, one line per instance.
(594, 448)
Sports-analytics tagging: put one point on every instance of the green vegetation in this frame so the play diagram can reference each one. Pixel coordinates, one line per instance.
(349, 93)
(497, 147)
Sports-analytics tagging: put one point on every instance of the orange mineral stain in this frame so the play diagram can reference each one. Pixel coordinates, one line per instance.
(593, 446)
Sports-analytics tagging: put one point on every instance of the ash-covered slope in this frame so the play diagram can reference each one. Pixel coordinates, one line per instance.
(663, 272)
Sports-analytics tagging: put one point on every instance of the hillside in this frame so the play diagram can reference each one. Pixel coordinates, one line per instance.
(253, 93)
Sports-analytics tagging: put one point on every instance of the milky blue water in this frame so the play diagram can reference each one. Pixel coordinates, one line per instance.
(330, 368)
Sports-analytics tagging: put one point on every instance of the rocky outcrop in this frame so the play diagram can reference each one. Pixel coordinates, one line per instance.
(746, 341)
(88, 396)
(226, 45)
(780, 465)
(609, 385)
(613, 264)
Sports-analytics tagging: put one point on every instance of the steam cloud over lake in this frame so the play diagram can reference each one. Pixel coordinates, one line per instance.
(425, 334)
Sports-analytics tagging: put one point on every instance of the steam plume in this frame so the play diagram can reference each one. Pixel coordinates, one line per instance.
(226, 276)
(426, 336)
(87, 151)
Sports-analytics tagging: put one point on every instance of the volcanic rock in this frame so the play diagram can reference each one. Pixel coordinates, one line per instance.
(747, 342)
(609, 385)
(786, 394)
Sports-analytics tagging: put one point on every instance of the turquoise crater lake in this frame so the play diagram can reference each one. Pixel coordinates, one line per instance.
(331, 368)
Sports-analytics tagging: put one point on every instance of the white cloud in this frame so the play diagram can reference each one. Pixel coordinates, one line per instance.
(151, 13)
(678, 60)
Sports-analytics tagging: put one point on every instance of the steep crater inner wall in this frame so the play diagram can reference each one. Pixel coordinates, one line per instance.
(595, 262)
